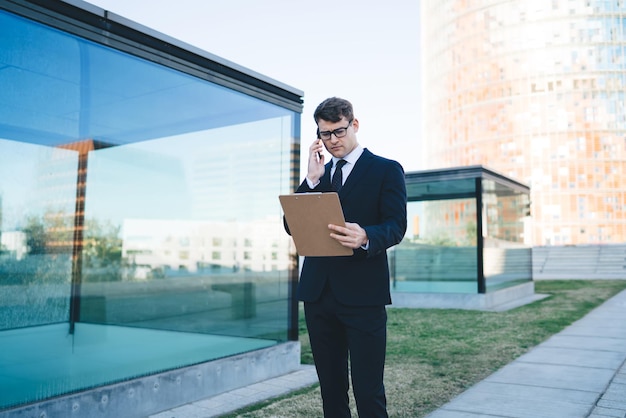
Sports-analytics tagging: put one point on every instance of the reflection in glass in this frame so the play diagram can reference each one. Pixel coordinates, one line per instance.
(37, 195)
(140, 227)
(190, 242)
(507, 258)
(439, 255)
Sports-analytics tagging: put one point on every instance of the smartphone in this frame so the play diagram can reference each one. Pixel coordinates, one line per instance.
(319, 154)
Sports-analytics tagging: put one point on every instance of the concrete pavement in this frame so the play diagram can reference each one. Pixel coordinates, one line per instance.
(577, 373)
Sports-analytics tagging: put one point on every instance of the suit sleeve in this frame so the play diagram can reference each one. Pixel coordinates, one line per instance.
(392, 211)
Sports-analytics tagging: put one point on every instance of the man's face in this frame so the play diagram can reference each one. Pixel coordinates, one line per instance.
(339, 147)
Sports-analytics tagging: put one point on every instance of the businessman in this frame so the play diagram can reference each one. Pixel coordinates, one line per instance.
(345, 297)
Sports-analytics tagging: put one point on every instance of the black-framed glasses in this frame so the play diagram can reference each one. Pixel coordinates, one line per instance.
(339, 132)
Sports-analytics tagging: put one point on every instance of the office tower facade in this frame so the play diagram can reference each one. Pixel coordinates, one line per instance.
(533, 89)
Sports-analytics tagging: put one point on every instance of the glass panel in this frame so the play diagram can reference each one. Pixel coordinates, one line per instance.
(139, 216)
(85, 91)
(441, 189)
(439, 253)
(507, 257)
(185, 250)
(36, 230)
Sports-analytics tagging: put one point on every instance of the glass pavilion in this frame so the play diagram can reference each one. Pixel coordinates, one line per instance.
(467, 233)
(132, 240)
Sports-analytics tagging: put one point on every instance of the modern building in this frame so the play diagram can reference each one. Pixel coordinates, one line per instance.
(144, 263)
(466, 241)
(535, 90)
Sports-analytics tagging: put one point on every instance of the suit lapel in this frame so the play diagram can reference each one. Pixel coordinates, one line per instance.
(358, 173)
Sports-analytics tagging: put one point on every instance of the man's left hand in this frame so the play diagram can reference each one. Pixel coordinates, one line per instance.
(351, 236)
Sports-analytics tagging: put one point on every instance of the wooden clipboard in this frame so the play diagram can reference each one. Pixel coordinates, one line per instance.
(308, 216)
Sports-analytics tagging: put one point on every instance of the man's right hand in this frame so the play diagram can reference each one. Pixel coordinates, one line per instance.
(316, 162)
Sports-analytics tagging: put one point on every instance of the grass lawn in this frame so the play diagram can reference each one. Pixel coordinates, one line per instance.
(435, 354)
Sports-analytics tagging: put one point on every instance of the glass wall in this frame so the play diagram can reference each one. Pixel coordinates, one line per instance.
(507, 258)
(140, 225)
(439, 252)
(453, 247)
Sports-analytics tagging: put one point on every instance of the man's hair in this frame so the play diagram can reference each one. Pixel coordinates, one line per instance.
(333, 109)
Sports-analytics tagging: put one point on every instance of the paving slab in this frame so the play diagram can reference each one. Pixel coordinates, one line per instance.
(574, 357)
(606, 413)
(587, 343)
(512, 400)
(554, 376)
(518, 405)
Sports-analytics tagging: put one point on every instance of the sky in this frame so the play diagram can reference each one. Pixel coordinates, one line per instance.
(365, 51)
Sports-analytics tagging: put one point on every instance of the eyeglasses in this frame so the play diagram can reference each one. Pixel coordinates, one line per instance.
(339, 132)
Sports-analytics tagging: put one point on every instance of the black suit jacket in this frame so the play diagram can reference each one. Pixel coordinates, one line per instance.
(374, 196)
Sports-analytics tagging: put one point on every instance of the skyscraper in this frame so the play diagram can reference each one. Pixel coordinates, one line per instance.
(533, 89)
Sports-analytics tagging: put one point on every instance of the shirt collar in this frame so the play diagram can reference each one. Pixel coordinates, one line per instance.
(351, 157)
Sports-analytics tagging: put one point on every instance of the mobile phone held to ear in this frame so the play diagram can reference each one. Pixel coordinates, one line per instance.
(319, 154)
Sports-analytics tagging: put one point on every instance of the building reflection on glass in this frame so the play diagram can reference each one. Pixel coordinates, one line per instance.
(140, 227)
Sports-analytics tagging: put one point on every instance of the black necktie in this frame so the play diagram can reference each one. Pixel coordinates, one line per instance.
(337, 180)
